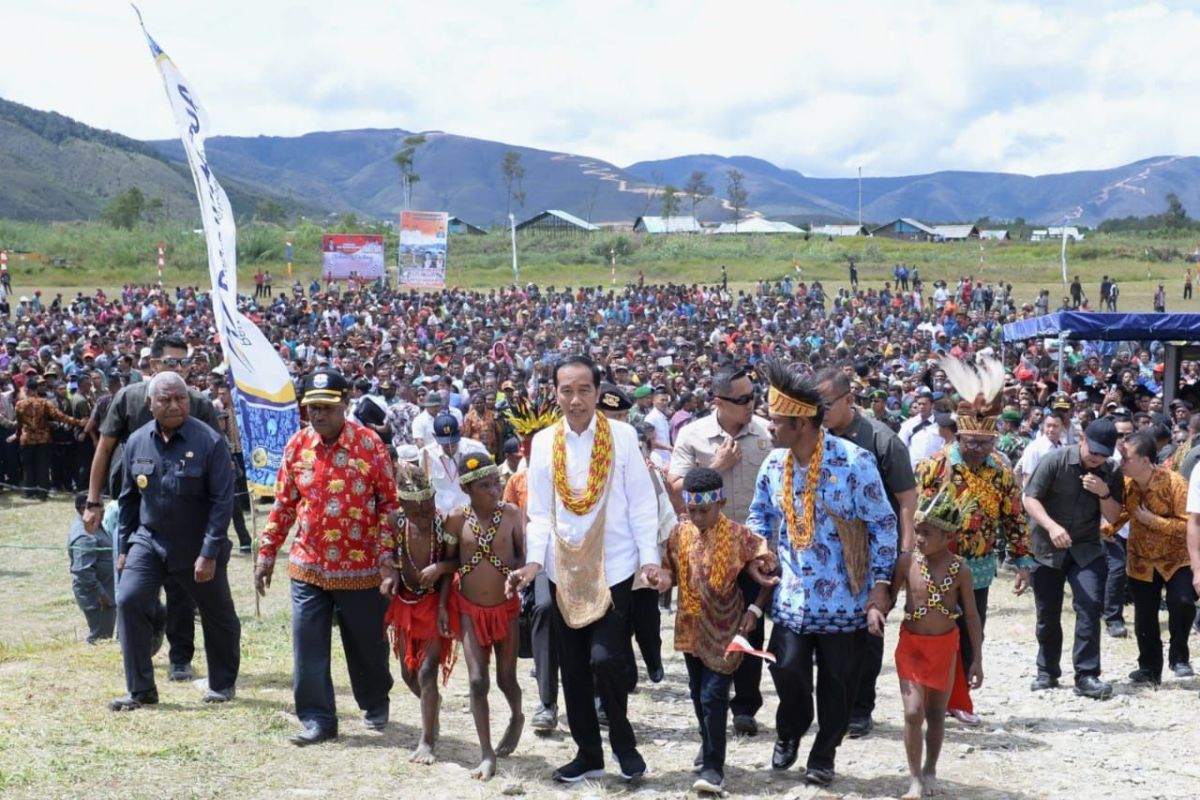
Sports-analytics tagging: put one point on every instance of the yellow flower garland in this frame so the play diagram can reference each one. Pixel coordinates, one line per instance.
(982, 490)
(800, 534)
(580, 503)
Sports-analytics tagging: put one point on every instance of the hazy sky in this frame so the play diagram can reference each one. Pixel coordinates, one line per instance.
(897, 88)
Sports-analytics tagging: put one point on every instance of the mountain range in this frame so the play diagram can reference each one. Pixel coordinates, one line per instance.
(55, 168)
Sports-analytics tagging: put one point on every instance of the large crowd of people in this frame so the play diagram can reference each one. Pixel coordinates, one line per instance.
(478, 468)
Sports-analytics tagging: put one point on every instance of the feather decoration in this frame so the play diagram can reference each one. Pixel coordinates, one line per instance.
(979, 387)
(528, 417)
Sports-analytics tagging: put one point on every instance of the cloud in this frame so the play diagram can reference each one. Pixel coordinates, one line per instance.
(896, 88)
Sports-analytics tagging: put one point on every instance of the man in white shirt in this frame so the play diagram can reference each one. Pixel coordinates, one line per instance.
(591, 542)
(1051, 439)
(659, 417)
(929, 441)
(438, 461)
(422, 426)
(922, 418)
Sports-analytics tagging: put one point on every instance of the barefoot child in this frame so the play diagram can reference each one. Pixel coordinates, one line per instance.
(491, 540)
(705, 555)
(936, 584)
(416, 619)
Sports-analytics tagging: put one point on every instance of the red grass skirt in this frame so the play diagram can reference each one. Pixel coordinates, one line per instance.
(414, 622)
(491, 624)
(930, 660)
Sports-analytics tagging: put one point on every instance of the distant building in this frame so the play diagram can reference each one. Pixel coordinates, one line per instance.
(1057, 233)
(460, 225)
(994, 235)
(557, 223)
(756, 225)
(666, 225)
(840, 230)
(912, 230)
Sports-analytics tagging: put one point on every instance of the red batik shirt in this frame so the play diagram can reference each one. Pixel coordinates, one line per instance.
(341, 495)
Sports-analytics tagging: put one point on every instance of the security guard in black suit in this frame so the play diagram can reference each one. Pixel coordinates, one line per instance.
(175, 506)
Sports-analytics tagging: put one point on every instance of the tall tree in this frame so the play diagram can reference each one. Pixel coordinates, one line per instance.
(270, 211)
(406, 162)
(514, 175)
(125, 209)
(1176, 216)
(698, 188)
(736, 194)
(670, 204)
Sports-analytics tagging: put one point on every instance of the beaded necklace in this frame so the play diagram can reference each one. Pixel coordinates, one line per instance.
(404, 553)
(483, 541)
(717, 554)
(800, 532)
(935, 590)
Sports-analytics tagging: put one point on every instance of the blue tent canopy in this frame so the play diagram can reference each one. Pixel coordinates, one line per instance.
(1080, 325)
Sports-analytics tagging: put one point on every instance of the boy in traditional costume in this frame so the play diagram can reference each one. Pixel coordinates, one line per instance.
(979, 482)
(705, 556)
(490, 535)
(928, 658)
(419, 626)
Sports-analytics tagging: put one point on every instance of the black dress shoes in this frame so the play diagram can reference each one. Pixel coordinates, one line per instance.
(132, 702)
(816, 776)
(745, 725)
(1093, 687)
(312, 734)
(784, 754)
(1143, 677)
(1043, 682)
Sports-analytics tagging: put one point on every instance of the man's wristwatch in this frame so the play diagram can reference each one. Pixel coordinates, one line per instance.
(94, 504)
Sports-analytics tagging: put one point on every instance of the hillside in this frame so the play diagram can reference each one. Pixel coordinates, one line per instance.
(54, 168)
(1088, 198)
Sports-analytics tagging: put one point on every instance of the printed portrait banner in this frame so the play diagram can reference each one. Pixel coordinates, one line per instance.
(345, 255)
(423, 249)
(263, 394)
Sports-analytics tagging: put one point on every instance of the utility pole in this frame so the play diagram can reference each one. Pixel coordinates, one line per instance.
(860, 197)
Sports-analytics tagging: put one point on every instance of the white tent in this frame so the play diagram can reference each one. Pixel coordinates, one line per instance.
(757, 225)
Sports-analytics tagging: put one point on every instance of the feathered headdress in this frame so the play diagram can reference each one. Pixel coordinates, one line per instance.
(412, 483)
(979, 387)
(943, 510)
(528, 417)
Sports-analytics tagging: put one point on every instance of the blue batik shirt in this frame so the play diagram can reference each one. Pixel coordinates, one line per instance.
(814, 595)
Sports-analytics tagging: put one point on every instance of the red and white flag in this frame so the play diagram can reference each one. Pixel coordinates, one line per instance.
(740, 645)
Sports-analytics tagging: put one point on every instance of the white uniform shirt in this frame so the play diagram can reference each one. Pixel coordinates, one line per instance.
(443, 473)
(926, 443)
(909, 427)
(631, 515)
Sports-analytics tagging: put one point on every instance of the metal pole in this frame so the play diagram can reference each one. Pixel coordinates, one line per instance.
(1064, 251)
(860, 197)
(512, 228)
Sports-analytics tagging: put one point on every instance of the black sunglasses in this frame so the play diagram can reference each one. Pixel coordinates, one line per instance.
(740, 400)
(175, 362)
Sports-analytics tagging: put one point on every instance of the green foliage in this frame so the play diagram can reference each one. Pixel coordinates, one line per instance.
(58, 129)
(697, 188)
(670, 203)
(1174, 220)
(514, 175)
(270, 211)
(126, 209)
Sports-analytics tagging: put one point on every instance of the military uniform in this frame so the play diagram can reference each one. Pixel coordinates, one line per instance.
(174, 509)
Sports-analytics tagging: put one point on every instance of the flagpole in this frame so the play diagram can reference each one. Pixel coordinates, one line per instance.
(1064, 251)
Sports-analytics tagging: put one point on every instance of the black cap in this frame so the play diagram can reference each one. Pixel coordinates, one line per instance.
(1101, 437)
(324, 386)
(613, 399)
(445, 429)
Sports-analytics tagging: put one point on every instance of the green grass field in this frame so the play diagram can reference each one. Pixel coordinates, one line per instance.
(98, 255)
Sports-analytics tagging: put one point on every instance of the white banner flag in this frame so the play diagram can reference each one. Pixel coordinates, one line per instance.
(264, 396)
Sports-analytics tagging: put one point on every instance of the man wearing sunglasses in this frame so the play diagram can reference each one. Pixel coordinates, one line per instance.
(734, 442)
(129, 411)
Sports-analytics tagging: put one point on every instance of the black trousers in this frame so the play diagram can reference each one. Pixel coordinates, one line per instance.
(647, 630)
(63, 469)
(138, 612)
(710, 699)
(839, 659)
(964, 638)
(595, 663)
(35, 467)
(1181, 610)
(181, 622)
(241, 499)
(545, 654)
(360, 620)
(872, 664)
(10, 459)
(1116, 582)
(1087, 596)
(747, 680)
